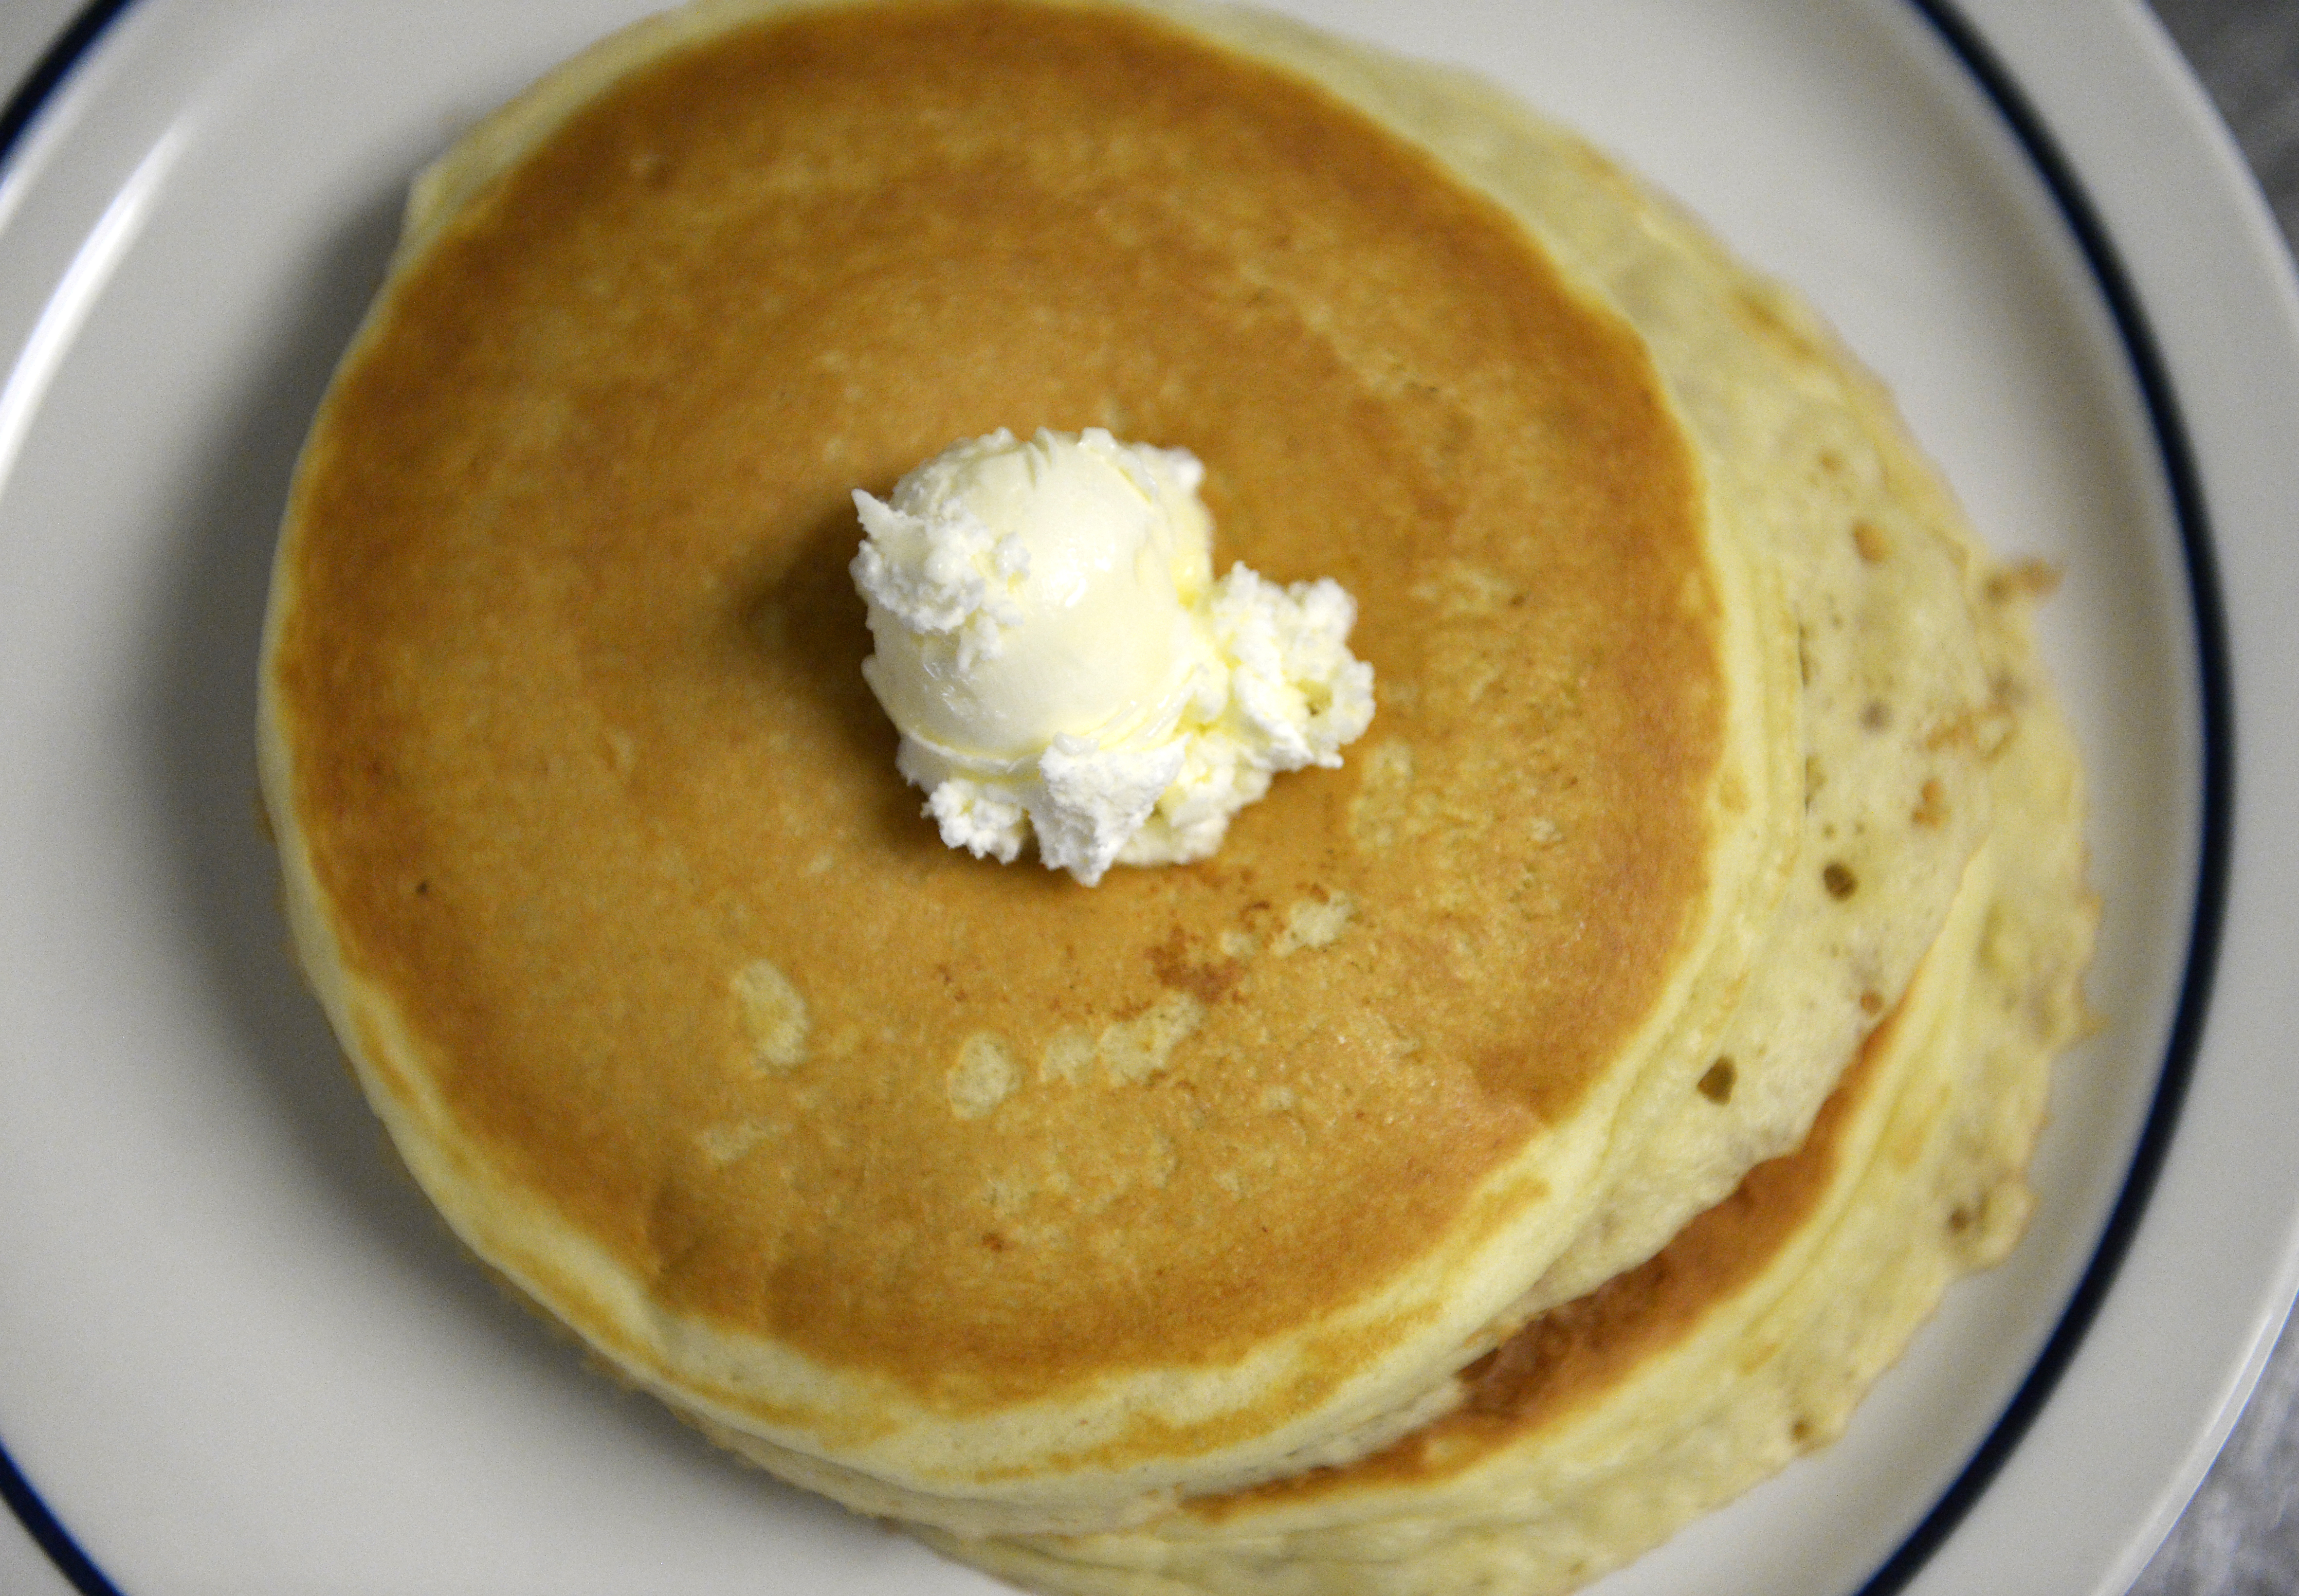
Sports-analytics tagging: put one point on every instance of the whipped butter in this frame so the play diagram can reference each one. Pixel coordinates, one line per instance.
(1062, 666)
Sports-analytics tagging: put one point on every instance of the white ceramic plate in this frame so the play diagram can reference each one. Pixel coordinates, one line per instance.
(237, 1353)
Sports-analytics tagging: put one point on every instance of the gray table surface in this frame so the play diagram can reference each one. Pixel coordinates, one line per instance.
(2240, 1536)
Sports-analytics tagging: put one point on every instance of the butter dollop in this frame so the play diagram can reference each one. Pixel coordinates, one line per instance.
(1062, 664)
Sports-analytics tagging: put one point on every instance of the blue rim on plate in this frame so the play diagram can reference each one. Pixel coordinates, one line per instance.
(2215, 708)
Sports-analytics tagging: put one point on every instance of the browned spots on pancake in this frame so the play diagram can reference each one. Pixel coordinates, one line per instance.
(2022, 580)
(1981, 728)
(1931, 810)
(1208, 982)
(574, 641)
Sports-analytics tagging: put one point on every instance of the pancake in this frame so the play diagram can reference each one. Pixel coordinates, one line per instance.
(1609, 1422)
(964, 1194)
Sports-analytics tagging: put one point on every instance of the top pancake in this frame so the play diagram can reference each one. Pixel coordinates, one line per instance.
(956, 1183)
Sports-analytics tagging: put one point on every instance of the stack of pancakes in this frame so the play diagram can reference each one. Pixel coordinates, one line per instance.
(1508, 1146)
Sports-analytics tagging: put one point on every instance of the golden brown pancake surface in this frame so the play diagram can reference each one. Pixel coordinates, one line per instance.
(590, 779)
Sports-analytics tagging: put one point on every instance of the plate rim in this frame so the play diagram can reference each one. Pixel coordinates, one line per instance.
(2175, 456)
(59, 73)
